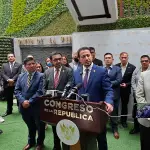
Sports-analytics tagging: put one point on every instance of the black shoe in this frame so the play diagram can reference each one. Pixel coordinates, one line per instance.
(134, 131)
(1, 131)
(124, 124)
(6, 114)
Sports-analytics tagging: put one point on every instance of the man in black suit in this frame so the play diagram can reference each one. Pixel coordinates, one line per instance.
(56, 78)
(95, 60)
(10, 72)
(125, 86)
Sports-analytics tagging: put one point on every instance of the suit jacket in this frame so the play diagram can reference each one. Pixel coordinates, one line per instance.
(7, 74)
(66, 77)
(99, 85)
(98, 62)
(115, 78)
(127, 76)
(22, 92)
(143, 94)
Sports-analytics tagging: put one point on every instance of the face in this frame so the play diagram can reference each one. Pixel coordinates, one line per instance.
(31, 66)
(145, 62)
(11, 58)
(85, 58)
(93, 54)
(108, 59)
(48, 60)
(56, 60)
(38, 68)
(124, 58)
(64, 61)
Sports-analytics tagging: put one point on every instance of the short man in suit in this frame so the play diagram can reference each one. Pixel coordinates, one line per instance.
(114, 72)
(57, 78)
(125, 86)
(95, 60)
(28, 88)
(96, 83)
(10, 72)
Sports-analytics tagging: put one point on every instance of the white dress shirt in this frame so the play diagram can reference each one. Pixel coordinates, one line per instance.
(55, 71)
(84, 71)
(123, 69)
(11, 65)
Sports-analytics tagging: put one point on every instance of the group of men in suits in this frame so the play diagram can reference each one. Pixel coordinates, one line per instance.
(103, 83)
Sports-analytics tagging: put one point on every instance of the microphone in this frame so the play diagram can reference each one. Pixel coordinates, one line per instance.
(74, 90)
(66, 89)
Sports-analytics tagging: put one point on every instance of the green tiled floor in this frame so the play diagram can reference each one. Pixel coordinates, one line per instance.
(15, 135)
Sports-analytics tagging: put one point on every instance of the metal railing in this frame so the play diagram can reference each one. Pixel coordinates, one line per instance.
(133, 8)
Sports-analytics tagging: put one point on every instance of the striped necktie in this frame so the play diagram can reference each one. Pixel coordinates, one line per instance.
(29, 79)
(56, 79)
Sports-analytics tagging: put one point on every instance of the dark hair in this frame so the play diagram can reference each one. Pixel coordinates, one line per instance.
(55, 53)
(26, 60)
(82, 49)
(145, 56)
(41, 66)
(67, 64)
(108, 54)
(92, 49)
(11, 54)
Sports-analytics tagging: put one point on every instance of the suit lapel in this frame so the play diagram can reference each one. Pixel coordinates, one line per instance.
(128, 67)
(9, 67)
(91, 77)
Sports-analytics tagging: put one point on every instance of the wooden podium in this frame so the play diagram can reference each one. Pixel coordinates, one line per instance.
(86, 117)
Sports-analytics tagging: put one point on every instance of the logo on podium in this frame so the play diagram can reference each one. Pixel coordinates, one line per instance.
(67, 132)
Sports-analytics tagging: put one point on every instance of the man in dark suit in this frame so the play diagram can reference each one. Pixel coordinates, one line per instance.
(95, 60)
(114, 72)
(28, 88)
(96, 83)
(10, 72)
(57, 78)
(125, 86)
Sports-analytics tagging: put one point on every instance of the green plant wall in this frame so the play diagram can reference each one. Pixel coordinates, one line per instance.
(22, 18)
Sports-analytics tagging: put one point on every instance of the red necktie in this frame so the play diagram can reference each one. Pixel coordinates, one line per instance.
(56, 79)
(85, 80)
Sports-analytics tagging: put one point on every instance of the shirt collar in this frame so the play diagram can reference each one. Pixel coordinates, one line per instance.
(125, 66)
(109, 67)
(58, 69)
(31, 73)
(90, 67)
(12, 63)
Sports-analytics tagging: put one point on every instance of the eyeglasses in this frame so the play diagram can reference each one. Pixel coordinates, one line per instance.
(144, 61)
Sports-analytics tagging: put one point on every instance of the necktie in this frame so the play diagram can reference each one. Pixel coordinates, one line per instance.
(56, 79)
(85, 81)
(11, 66)
(29, 79)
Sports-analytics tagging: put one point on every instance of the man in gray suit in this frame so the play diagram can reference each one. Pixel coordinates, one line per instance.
(143, 98)
(10, 72)
(57, 78)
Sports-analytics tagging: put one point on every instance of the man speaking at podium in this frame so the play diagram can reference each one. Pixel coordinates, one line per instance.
(96, 83)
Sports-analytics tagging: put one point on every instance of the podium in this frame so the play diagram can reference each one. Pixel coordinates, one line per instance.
(86, 115)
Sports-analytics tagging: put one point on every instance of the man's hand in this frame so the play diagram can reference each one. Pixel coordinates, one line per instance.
(10, 82)
(26, 104)
(109, 107)
(123, 85)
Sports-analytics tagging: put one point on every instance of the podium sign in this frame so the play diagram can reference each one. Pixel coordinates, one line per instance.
(85, 116)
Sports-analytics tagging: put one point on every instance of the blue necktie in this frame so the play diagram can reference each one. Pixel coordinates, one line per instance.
(85, 81)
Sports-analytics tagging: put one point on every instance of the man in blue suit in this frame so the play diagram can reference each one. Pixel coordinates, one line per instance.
(114, 72)
(96, 83)
(28, 88)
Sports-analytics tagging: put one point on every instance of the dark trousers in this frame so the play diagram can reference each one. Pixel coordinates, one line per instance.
(114, 120)
(57, 145)
(124, 104)
(8, 92)
(32, 118)
(102, 141)
(144, 137)
(136, 123)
